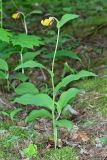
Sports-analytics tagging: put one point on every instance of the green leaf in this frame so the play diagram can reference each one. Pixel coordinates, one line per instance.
(14, 112)
(30, 151)
(65, 18)
(37, 114)
(73, 77)
(3, 75)
(64, 123)
(63, 53)
(30, 55)
(65, 98)
(26, 87)
(26, 41)
(4, 113)
(30, 64)
(37, 100)
(103, 140)
(4, 35)
(35, 12)
(3, 65)
(19, 76)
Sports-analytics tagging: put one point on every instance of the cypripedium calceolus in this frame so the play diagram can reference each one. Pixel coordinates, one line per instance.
(16, 15)
(47, 22)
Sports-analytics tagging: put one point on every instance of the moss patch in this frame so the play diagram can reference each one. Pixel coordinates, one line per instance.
(94, 94)
(65, 153)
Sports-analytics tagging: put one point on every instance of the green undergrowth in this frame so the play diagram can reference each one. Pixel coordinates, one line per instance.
(14, 139)
(93, 95)
(66, 153)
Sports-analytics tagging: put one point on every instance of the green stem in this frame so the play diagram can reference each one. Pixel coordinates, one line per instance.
(26, 31)
(1, 14)
(21, 58)
(25, 25)
(53, 87)
(8, 84)
(24, 22)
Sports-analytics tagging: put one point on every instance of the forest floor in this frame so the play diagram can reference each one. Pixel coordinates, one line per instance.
(89, 135)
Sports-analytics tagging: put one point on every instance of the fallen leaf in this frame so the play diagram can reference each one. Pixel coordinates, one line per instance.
(48, 146)
(59, 143)
(75, 136)
(83, 135)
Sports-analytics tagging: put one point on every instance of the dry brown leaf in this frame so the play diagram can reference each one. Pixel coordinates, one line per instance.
(48, 146)
(83, 135)
(75, 136)
(59, 143)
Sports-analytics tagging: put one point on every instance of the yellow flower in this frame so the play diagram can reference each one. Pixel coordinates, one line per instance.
(16, 15)
(48, 21)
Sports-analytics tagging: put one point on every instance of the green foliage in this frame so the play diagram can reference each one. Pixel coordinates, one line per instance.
(37, 114)
(73, 77)
(103, 140)
(30, 55)
(30, 64)
(26, 87)
(37, 100)
(3, 75)
(30, 151)
(26, 41)
(66, 18)
(63, 53)
(65, 98)
(4, 35)
(64, 124)
(65, 153)
(51, 106)
(3, 65)
(19, 76)
(12, 113)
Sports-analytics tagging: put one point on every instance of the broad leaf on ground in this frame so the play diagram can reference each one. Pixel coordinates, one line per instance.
(64, 123)
(65, 98)
(26, 87)
(14, 112)
(38, 114)
(73, 77)
(42, 100)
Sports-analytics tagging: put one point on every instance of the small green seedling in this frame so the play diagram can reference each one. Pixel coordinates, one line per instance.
(31, 151)
(12, 114)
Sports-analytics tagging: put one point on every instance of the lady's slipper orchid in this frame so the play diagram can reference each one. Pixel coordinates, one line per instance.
(48, 21)
(16, 15)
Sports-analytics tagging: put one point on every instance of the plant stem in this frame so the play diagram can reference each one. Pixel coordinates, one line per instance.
(21, 58)
(8, 83)
(24, 22)
(26, 31)
(1, 8)
(25, 25)
(53, 87)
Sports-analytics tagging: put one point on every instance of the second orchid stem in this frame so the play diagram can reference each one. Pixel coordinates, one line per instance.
(21, 58)
(53, 87)
(26, 31)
